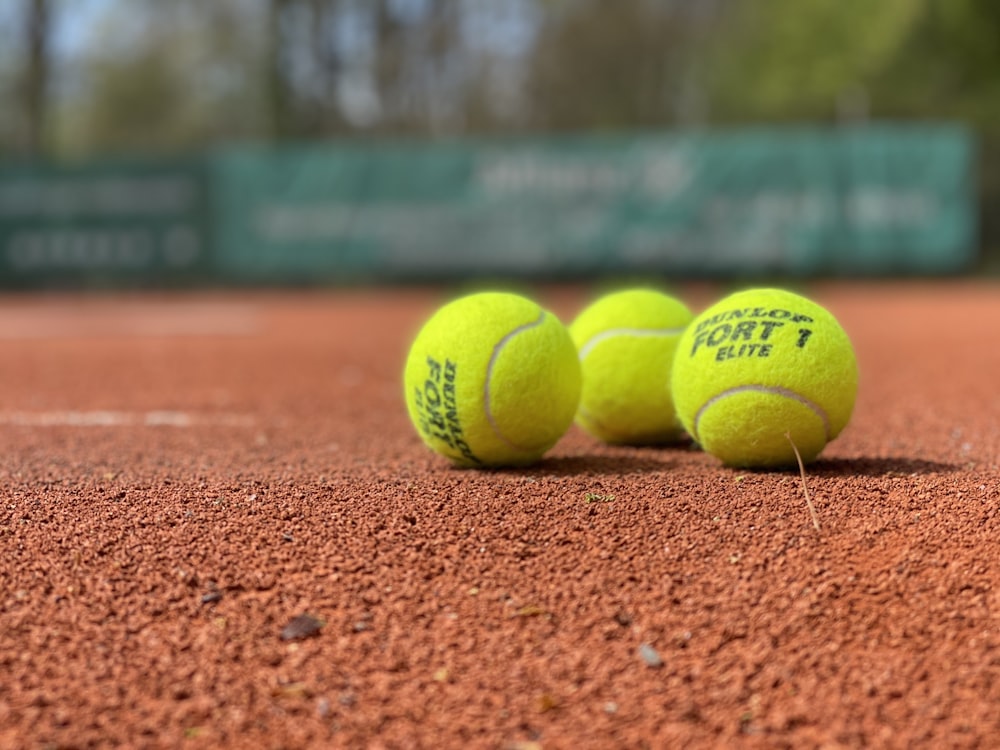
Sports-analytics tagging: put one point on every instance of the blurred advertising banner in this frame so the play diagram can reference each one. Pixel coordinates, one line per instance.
(849, 201)
(109, 223)
(853, 201)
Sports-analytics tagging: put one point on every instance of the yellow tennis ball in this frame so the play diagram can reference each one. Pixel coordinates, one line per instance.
(626, 342)
(492, 379)
(759, 369)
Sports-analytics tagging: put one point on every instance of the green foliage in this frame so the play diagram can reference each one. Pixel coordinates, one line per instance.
(789, 59)
(167, 78)
(186, 74)
(971, 29)
(921, 59)
(948, 67)
(605, 66)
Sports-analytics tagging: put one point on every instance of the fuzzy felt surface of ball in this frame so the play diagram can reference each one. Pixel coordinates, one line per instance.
(626, 341)
(760, 370)
(492, 379)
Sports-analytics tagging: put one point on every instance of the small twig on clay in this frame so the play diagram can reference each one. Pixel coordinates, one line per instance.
(805, 488)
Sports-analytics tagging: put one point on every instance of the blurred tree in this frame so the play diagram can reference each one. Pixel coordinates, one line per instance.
(380, 66)
(948, 67)
(277, 85)
(421, 67)
(187, 74)
(789, 60)
(36, 77)
(305, 64)
(9, 62)
(166, 77)
(631, 64)
(971, 29)
(25, 32)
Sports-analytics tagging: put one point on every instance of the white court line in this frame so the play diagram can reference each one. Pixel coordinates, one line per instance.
(128, 319)
(122, 419)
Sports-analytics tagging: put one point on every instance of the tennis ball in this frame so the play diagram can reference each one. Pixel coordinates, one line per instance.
(626, 342)
(491, 380)
(759, 370)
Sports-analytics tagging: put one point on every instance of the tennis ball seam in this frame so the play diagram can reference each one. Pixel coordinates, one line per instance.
(497, 349)
(769, 390)
(610, 333)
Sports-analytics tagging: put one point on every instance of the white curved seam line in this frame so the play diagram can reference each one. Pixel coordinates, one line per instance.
(772, 390)
(489, 376)
(613, 332)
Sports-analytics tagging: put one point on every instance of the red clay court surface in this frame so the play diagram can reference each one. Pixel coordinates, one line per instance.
(183, 476)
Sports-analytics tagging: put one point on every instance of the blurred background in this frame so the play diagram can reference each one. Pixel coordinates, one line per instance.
(152, 143)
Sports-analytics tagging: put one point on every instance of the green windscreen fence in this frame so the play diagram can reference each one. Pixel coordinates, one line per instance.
(865, 201)
(854, 201)
(104, 223)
